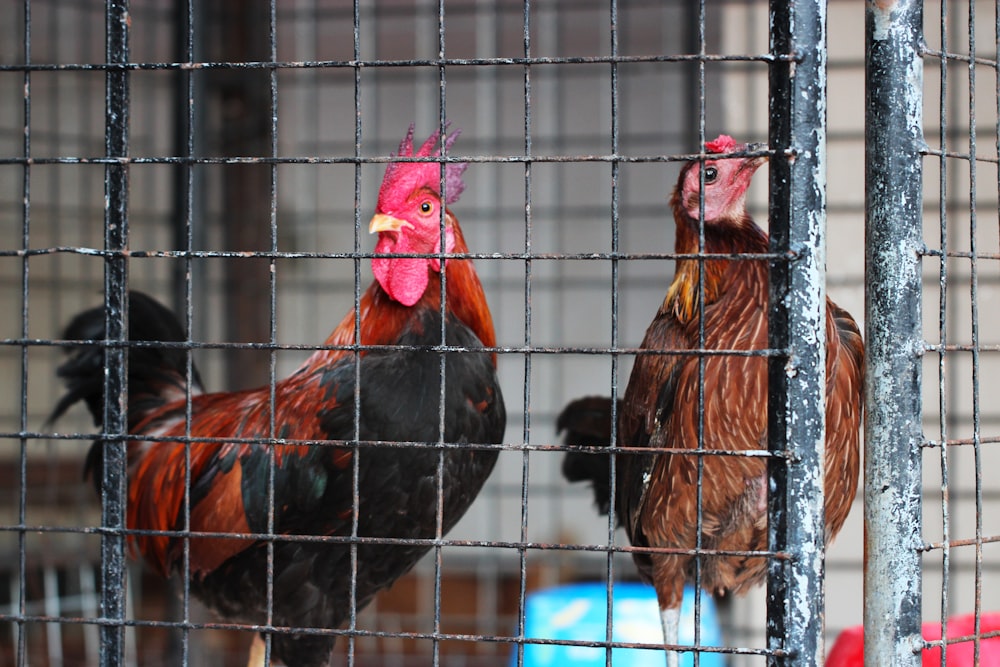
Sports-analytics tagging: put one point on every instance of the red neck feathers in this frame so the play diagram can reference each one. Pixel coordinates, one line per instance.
(383, 319)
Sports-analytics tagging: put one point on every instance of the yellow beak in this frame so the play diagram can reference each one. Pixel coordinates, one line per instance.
(386, 223)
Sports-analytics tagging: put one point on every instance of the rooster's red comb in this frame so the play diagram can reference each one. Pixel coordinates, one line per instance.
(402, 178)
(721, 144)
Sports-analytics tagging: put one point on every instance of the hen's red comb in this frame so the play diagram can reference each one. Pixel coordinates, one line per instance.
(721, 144)
(401, 178)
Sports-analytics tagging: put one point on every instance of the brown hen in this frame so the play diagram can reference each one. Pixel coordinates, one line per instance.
(656, 495)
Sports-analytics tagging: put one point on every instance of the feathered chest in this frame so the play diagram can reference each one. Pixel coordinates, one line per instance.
(735, 312)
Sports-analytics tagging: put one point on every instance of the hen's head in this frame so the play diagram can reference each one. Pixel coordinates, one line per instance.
(726, 182)
(408, 217)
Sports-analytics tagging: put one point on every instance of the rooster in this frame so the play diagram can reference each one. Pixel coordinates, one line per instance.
(400, 490)
(656, 494)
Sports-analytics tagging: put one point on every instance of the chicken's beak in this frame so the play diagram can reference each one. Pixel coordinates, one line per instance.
(386, 223)
(753, 163)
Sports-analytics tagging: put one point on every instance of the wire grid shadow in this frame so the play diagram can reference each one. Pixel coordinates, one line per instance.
(197, 184)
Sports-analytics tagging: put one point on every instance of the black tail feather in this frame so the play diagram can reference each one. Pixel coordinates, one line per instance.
(151, 370)
(587, 422)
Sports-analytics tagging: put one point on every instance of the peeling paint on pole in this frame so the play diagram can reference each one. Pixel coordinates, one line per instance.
(893, 241)
(796, 323)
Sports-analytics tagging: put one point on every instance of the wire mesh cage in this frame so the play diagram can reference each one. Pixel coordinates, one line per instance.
(245, 180)
(257, 136)
(927, 445)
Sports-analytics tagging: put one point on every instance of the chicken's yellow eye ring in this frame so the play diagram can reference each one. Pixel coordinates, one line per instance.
(426, 207)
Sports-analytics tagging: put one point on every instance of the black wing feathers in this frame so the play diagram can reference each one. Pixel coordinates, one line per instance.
(587, 423)
(150, 369)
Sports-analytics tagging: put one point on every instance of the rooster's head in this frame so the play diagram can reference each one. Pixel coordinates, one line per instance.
(411, 209)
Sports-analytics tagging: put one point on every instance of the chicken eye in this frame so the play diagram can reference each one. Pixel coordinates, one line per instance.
(425, 207)
(711, 173)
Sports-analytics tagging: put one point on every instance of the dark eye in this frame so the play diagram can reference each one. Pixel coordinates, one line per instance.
(425, 207)
(711, 173)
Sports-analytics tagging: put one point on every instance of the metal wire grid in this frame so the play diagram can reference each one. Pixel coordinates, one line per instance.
(961, 349)
(927, 572)
(796, 632)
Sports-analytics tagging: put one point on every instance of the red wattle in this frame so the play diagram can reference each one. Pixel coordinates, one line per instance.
(404, 279)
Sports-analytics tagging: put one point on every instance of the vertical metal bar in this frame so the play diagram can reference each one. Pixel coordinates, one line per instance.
(183, 131)
(272, 275)
(974, 325)
(116, 135)
(356, 435)
(442, 388)
(185, 125)
(522, 553)
(697, 36)
(615, 246)
(796, 322)
(894, 175)
(20, 630)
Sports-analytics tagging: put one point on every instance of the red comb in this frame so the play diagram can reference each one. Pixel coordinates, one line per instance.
(721, 144)
(402, 177)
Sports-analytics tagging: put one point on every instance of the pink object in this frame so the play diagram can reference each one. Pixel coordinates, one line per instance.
(849, 649)
(402, 178)
(721, 144)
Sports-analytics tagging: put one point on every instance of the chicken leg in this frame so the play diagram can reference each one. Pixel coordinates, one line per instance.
(670, 619)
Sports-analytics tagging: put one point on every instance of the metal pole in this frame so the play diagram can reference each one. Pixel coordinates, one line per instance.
(894, 75)
(797, 381)
(116, 132)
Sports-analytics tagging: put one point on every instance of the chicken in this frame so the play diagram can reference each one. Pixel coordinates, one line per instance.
(656, 493)
(316, 459)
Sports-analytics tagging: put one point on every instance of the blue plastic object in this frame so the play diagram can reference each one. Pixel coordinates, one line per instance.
(579, 611)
